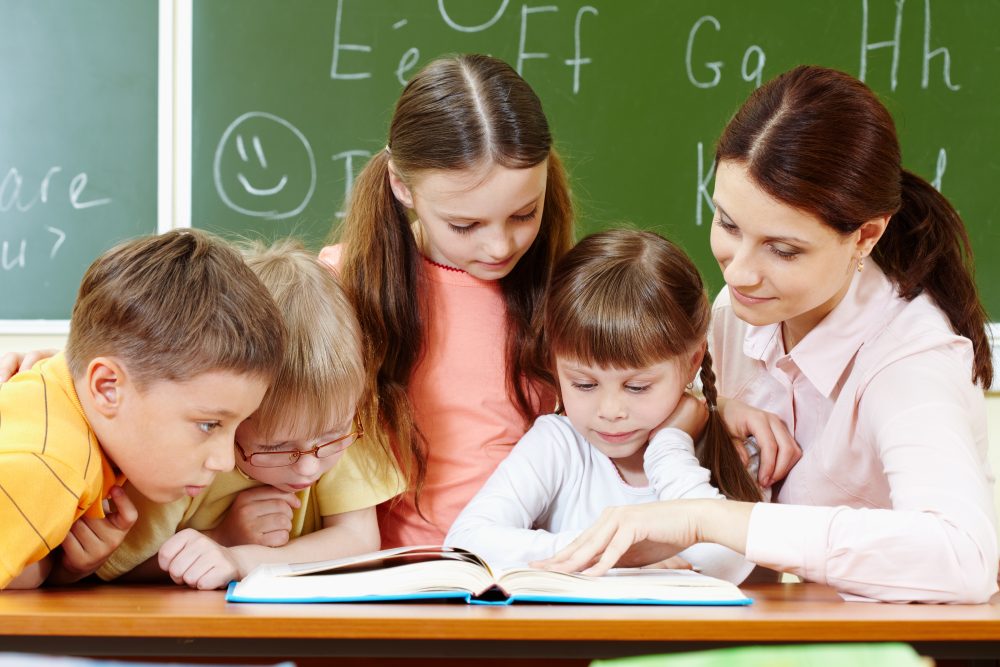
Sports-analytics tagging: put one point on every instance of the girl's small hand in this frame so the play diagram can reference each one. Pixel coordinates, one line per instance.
(778, 450)
(196, 560)
(12, 363)
(261, 515)
(690, 416)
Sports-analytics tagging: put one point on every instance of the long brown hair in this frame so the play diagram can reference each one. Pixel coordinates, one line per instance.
(630, 299)
(820, 140)
(457, 113)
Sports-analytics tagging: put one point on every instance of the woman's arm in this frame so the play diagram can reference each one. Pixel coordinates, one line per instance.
(646, 533)
(937, 543)
(674, 472)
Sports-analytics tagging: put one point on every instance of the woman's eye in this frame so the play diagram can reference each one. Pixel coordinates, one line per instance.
(462, 229)
(526, 216)
(208, 427)
(727, 226)
(784, 254)
(636, 388)
(583, 386)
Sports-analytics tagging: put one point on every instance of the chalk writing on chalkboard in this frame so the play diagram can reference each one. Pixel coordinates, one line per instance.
(248, 182)
(411, 56)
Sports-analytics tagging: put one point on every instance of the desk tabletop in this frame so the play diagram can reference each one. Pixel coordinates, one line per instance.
(780, 613)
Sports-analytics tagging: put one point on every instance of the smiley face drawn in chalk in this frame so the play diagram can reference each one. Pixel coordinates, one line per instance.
(264, 167)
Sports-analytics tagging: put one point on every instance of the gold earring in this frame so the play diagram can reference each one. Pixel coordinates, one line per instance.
(861, 263)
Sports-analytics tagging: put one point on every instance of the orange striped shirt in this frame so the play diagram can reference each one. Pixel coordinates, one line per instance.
(52, 469)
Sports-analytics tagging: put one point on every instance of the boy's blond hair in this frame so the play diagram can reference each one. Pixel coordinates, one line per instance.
(172, 306)
(322, 372)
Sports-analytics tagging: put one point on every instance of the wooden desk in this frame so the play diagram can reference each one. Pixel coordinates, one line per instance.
(154, 620)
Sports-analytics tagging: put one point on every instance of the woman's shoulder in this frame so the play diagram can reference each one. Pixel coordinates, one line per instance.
(918, 329)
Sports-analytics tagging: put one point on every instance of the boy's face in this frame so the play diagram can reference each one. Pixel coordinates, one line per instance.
(171, 438)
(294, 437)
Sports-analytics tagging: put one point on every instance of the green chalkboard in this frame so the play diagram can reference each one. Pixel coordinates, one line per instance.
(290, 98)
(77, 143)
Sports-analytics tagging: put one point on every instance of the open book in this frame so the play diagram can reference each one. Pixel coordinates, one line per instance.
(427, 573)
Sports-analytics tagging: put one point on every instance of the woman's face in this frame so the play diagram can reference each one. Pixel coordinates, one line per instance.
(482, 220)
(780, 264)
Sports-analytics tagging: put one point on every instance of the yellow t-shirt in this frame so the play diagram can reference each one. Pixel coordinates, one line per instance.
(52, 469)
(350, 485)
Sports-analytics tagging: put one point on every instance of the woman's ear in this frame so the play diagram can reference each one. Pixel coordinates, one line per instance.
(399, 188)
(869, 234)
(105, 384)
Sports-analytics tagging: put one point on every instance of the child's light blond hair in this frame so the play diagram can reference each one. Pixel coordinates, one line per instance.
(322, 372)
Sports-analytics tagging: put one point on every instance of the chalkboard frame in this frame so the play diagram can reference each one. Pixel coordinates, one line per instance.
(170, 63)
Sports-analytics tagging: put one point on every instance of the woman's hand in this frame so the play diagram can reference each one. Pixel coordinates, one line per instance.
(778, 450)
(12, 363)
(630, 536)
(637, 535)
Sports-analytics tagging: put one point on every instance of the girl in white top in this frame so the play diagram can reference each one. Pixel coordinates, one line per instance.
(622, 334)
(875, 364)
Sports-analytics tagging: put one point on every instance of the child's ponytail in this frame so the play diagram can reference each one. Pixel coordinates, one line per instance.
(381, 274)
(717, 453)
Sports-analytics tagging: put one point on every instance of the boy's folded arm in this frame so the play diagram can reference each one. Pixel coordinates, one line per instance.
(92, 540)
(37, 509)
(32, 576)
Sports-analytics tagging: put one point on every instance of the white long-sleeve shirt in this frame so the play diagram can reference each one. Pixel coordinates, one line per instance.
(554, 484)
(893, 496)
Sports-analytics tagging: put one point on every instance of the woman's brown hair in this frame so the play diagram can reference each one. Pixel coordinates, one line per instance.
(457, 113)
(820, 140)
(630, 299)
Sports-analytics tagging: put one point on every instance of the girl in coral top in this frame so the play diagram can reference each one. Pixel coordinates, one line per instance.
(450, 234)
(850, 322)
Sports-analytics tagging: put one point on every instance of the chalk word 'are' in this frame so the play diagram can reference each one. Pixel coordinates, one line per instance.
(12, 191)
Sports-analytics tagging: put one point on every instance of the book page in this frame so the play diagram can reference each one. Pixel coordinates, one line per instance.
(620, 584)
(390, 573)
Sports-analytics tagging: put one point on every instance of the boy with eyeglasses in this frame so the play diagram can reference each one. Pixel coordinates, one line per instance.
(306, 481)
